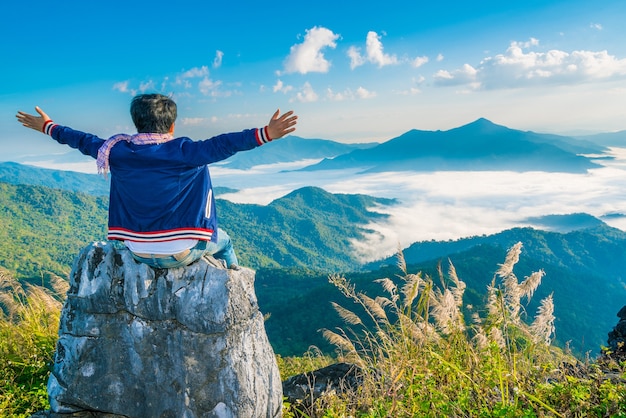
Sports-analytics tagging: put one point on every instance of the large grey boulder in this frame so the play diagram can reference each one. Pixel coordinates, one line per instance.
(141, 342)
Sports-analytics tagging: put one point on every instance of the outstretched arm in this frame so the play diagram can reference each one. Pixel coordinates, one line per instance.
(31, 121)
(280, 126)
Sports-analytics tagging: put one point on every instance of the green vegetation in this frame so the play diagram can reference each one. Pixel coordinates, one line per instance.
(420, 357)
(29, 320)
(419, 353)
(43, 229)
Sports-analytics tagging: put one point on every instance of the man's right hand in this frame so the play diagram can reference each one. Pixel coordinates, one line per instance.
(32, 121)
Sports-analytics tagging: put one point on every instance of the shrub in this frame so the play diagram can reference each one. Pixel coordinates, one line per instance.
(422, 358)
(29, 318)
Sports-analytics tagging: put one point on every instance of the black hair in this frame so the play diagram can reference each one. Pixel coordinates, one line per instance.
(153, 113)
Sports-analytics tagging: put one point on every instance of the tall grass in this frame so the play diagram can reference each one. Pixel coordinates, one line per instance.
(29, 319)
(422, 358)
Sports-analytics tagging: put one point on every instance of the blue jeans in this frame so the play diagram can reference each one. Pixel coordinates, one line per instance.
(222, 249)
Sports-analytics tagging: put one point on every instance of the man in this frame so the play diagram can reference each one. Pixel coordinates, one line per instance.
(161, 199)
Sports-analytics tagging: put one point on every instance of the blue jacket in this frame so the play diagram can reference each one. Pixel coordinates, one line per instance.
(162, 192)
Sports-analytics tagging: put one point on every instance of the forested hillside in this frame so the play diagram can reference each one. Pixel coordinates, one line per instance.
(43, 229)
(296, 241)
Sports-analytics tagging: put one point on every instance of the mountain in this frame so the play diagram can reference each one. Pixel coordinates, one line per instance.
(480, 145)
(43, 229)
(14, 173)
(585, 270)
(93, 184)
(291, 149)
(296, 241)
(609, 139)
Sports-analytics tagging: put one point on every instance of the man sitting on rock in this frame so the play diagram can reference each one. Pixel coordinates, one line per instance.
(161, 199)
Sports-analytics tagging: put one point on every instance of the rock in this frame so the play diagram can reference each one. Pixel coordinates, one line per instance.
(141, 342)
(617, 338)
(304, 389)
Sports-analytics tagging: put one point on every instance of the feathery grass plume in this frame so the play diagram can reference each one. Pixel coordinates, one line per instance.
(445, 312)
(41, 297)
(340, 341)
(59, 285)
(459, 286)
(13, 296)
(347, 315)
(512, 257)
(494, 302)
(401, 260)
(390, 287)
(373, 307)
(512, 297)
(413, 330)
(411, 288)
(530, 284)
(542, 327)
(341, 283)
(495, 334)
(480, 336)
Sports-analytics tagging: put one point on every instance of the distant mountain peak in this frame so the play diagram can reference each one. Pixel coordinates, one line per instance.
(482, 125)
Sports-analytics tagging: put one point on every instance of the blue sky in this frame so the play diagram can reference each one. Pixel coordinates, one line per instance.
(352, 71)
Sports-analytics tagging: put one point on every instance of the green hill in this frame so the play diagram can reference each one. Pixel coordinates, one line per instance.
(43, 229)
(297, 240)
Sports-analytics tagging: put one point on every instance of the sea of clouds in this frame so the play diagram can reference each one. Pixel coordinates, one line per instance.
(448, 204)
(443, 205)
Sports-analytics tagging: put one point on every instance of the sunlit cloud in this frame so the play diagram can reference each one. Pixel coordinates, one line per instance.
(121, 86)
(281, 87)
(419, 61)
(192, 121)
(308, 56)
(374, 53)
(210, 87)
(451, 205)
(146, 85)
(217, 61)
(363, 93)
(520, 66)
(195, 72)
(306, 94)
(348, 94)
(464, 75)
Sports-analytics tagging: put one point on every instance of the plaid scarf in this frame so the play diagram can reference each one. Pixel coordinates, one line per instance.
(140, 139)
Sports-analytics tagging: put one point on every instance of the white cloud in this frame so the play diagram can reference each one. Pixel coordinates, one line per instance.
(339, 96)
(596, 26)
(464, 75)
(451, 204)
(356, 59)
(195, 72)
(146, 85)
(374, 53)
(348, 94)
(192, 121)
(439, 57)
(308, 56)
(363, 93)
(121, 86)
(306, 94)
(520, 66)
(281, 87)
(419, 61)
(217, 61)
(209, 87)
